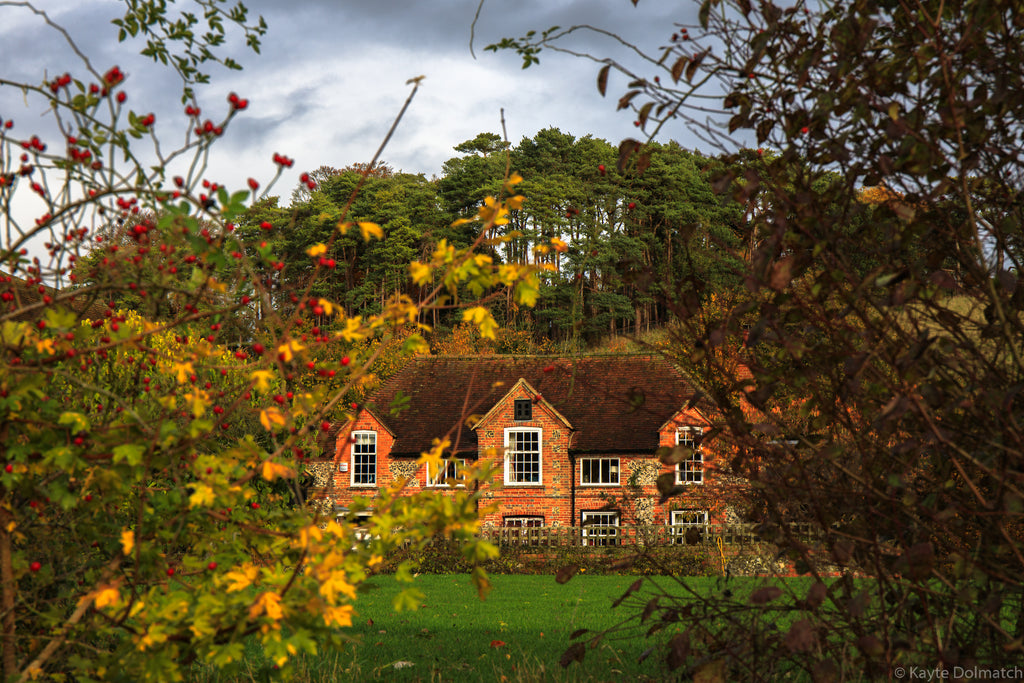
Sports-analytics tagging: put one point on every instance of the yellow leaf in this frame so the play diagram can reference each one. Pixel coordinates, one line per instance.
(514, 179)
(507, 273)
(317, 249)
(45, 345)
(515, 202)
(241, 578)
(288, 350)
(353, 331)
(202, 496)
(334, 584)
(127, 541)
(342, 615)
(272, 470)
(559, 245)
(327, 306)
(310, 533)
(461, 221)
(182, 371)
(199, 400)
(493, 212)
(370, 230)
(483, 319)
(107, 595)
(262, 379)
(216, 286)
(420, 273)
(268, 603)
(271, 417)
(343, 227)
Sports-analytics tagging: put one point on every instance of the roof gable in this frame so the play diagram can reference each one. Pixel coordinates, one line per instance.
(521, 387)
(615, 403)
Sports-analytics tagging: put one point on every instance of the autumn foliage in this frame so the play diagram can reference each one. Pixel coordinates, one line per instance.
(163, 388)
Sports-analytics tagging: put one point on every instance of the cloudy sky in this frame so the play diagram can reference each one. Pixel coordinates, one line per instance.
(332, 75)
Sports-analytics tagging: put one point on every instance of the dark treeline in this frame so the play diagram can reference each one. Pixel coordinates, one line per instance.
(635, 239)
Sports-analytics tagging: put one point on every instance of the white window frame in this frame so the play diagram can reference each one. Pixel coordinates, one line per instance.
(614, 468)
(690, 472)
(509, 454)
(440, 479)
(353, 470)
(680, 521)
(595, 527)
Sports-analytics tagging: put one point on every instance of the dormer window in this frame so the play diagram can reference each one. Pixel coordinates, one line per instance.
(523, 409)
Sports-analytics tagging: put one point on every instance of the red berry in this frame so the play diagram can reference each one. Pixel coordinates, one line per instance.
(253, 184)
(600, 169)
(632, 205)
(211, 566)
(8, 468)
(35, 566)
(346, 360)
(325, 426)
(254, 506)
(121, 96)
(170, 571)
(267, 225)
(804, 130)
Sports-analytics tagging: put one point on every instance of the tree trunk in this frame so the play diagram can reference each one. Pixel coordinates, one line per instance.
(9, 591)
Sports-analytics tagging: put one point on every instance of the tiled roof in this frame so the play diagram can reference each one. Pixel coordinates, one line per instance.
(616, 403)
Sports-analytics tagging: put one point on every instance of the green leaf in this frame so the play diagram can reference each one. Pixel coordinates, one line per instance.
(130, 453)
(77, 422)
(408, 599)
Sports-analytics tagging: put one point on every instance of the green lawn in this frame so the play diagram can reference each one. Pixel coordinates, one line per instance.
(521, 630)
(517, 634)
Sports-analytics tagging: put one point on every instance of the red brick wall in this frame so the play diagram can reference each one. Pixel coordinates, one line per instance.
(550, 499)
(343, 491)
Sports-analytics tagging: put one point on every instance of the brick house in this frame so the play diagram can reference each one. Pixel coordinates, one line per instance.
(574, 440)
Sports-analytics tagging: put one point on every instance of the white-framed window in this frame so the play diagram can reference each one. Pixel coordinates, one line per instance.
(364, 458)
(600, 527)
(681, 521)
(690, 470)
(449, 473)
(599, 471)
(523, 458)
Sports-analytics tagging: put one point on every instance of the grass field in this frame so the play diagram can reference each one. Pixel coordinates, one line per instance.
(517, 634)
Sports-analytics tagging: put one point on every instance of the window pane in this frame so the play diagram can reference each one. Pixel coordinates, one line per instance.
(599, 471)
(364, 458)
(600, 528)
(524, 457)
(691, 469)
(523, 409)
